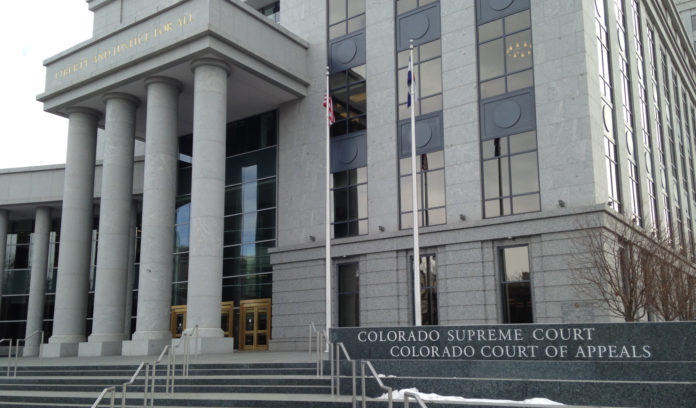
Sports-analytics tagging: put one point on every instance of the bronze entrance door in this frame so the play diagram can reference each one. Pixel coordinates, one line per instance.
(254, 324)
(178, 319)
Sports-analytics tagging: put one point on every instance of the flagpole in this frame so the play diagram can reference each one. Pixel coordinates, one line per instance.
(327, 260)
(414, 197)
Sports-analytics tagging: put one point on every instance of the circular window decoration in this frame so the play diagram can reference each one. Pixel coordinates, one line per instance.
(499, 5)
(348, 153)
(507, 114)
(346, 50)
(418, 26)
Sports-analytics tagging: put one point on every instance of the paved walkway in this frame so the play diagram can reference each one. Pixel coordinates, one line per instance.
(239, 357)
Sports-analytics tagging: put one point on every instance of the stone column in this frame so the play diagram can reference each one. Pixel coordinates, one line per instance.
(159, 200)
(114, 227)
(72, 286)
(131, 271)
(4, 226)
(207, 204)
(37, 285)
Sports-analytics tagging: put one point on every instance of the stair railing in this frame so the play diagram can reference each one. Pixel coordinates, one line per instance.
(16, 356)
(408, 395)
(9, 354)
(103, 393)
(322, 337)
(154, 375)
(124, 387)
(364, 363)
(171, 364)
(341, 348)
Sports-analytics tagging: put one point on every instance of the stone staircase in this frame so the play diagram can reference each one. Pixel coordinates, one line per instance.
(295, 385)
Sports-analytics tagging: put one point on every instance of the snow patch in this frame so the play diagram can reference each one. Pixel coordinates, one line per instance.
(399, 395)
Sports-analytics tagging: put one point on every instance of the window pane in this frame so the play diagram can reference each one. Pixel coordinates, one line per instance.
(362, 201)
(337, 11)
(357, 74)
(403, 6)
(490, 30)
(517, 22)
(515, 264)
(491, 63)
(431, 104)
(435, 188)
(355, 7)
(518, 51)
(493, 208)
(357, 99)
(526, 203)
(525, 178)
(405, 187)
(429, 50)
(491, 178)
(356, 23)
(492, 88)
(434, 217)
(523, 142)
(524, 79)
(340, 204)
(337, 31)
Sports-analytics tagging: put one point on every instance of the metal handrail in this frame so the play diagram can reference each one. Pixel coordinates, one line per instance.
(9, 354)
(408, 395)
(364, 363)
(340, 347)
(171, 365)
(16, 357)
(124, 387)
(103, 393)
(154, 375)
(322, 339)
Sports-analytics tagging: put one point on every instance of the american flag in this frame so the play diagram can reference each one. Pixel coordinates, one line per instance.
(332, 117)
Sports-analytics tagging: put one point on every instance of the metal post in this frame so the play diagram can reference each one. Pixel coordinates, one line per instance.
(338, 370)
(362, 379)
(352, 363)
(319, 352)
(310, 340)
(331, 358)
(15, 359)
(9, 358)
(113, 396)
(123, 395)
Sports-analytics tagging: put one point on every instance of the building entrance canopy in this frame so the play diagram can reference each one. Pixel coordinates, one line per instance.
(268, 62)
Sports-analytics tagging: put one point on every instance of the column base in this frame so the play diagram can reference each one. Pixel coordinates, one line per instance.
(30, 351)
(99, 349)
(59, 350)
(145, 347)
(205, 345)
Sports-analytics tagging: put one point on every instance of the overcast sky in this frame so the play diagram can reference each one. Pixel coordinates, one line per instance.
(31, 32)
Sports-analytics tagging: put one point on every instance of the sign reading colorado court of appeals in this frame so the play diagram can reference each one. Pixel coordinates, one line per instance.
(664, 341)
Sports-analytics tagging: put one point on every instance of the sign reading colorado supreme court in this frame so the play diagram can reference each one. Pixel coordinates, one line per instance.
(610, 342)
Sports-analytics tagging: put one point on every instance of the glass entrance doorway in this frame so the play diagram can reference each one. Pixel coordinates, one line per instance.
(255, 325)
(178, 319)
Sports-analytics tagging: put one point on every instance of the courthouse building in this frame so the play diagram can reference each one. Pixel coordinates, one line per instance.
(193, 193)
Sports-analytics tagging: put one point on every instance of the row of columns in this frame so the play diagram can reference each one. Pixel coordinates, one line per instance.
(115, 252)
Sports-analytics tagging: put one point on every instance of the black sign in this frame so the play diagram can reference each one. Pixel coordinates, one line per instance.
(664, 341)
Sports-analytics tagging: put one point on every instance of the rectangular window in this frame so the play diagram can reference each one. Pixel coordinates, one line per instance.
(428, 285)
(349, 202)
(348, 295)
(515, 285)
(430, 190)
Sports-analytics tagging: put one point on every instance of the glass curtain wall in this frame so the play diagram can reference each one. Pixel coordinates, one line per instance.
(430, 165)
(348, 90)
(250, 212)
(509, 163)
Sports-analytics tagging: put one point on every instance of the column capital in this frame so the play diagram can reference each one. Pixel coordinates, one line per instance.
(87, 111)
(211, 62)
(123, 96)
(164, 80)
